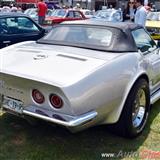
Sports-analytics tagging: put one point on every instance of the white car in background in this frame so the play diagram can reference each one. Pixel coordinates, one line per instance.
(88, 13)
(32, 12)
(109, 15)
(5, 9)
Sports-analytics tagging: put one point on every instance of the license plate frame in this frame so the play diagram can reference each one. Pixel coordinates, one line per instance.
(12, 104)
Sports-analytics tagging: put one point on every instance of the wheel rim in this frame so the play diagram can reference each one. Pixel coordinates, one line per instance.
(139, 108)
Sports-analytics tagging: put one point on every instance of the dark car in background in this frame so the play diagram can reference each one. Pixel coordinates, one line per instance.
(17, 27)
(52, 5)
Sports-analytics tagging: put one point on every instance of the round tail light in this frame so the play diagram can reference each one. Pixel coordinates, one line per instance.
(37, 96)
(56, 101)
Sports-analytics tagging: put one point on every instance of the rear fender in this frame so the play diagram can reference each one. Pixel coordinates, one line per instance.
(114, 116)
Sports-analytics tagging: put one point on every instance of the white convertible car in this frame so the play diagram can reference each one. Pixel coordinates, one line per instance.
(84, 74)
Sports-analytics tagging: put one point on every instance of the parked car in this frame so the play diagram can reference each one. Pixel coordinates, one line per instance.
(111, 15)
(32, 12)
(87, 13)
(153, 24)
(94, 73)
(5, 9)
(61, 15)
(17, 27)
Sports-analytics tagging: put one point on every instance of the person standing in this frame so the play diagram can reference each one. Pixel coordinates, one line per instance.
(42, 9)
(78, 6)
(130, 11)
(141, 13)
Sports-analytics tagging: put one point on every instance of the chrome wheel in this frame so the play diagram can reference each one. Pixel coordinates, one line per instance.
(135, 113)
(139, 108)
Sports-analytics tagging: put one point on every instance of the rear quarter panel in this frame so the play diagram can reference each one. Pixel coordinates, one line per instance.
(105, 90)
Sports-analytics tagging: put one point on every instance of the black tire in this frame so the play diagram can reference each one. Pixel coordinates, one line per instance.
(125, 126)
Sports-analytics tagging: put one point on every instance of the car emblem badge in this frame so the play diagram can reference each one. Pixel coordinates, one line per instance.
(40, 56)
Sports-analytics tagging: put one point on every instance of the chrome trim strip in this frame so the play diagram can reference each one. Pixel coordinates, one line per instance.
(155, 97)
(76, 58)
(79, 120)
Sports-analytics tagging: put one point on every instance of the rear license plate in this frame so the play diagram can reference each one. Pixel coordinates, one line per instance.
(12, 104)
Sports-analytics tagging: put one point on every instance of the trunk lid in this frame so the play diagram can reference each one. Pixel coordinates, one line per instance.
(49, 66)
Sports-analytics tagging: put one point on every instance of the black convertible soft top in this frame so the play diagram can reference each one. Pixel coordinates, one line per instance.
(119, 25)
(122, 40)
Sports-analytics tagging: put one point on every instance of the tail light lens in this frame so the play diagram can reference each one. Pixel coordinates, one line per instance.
(56, 101)
(37, 96)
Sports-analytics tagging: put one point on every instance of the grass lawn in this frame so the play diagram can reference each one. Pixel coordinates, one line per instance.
(21, 141)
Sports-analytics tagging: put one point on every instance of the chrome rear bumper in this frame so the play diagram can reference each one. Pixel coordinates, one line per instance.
(52, 116)
(73, 122)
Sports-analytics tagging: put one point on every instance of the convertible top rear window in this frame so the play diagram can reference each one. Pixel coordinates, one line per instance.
(90, 36)
(81, 35)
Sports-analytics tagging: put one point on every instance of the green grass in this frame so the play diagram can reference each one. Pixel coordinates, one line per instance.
(21, 141)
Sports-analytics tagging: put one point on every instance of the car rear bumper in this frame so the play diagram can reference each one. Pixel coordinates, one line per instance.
(55, 117)
(69, 121)
(64, 120)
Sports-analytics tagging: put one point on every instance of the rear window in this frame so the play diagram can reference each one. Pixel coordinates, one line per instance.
(80, 35)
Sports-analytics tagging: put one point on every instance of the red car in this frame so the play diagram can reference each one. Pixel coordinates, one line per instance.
(60, 15)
